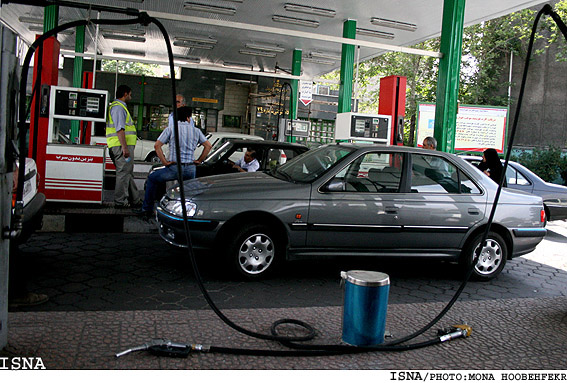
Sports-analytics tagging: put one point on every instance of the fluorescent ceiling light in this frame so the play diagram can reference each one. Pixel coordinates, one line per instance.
(39, 28)
(128, 32)
(187, 59)
(209, 8)
(370, 32)
(135, 39)
(257, 53)
(30, 20)
(317, 61)
(197, 39)
(295, 21)
(131, 52)
(267, 48)
(309, 10)
(325, 55)
(189, 44)
(230, 64)
(393, 24)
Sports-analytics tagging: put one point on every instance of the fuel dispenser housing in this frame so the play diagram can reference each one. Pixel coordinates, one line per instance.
(392, 102)
(293, 128)
(363, 127)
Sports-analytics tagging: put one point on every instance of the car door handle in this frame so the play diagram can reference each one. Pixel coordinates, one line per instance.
(474, 211)
(391, 210)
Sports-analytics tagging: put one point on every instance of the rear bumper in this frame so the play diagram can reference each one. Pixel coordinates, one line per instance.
(526, 240)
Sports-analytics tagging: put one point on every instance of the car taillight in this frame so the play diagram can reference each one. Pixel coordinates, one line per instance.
(542, 215)
(13, 200)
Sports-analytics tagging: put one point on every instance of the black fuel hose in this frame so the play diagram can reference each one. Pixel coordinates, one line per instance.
(299, 349)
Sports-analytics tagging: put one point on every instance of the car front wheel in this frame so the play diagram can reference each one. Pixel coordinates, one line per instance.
(492, 258)
(254, 251)
(153, 158)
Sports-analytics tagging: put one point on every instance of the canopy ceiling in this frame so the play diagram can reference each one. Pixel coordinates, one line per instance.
(251, 32)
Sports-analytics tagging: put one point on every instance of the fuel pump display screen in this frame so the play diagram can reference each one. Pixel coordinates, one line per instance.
(369, 127)
(359, 127)
(80, 104)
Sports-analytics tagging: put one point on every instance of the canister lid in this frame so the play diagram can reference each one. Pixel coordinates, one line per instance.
(366, 278)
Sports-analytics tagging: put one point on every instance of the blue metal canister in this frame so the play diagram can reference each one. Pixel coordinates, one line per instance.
(365, 307)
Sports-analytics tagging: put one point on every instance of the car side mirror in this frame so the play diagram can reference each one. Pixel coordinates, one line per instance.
(335, 186)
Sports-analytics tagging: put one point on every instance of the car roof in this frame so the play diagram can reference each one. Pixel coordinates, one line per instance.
(272, 144)
(235, 135)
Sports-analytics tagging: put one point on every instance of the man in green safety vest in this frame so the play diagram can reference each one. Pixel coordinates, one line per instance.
(121, 141)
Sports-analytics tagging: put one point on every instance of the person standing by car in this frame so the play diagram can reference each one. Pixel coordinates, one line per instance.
(248, 162)
(189, 138)
(429, 143)
(491, 165)
(121, 142)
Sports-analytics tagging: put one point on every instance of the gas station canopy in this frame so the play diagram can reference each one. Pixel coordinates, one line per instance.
(256, 35)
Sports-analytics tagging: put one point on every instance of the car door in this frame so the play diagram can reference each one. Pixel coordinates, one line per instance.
(358, 207)
(439, 206)
(516, 180)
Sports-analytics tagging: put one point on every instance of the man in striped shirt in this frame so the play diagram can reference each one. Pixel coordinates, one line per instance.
(189, 138)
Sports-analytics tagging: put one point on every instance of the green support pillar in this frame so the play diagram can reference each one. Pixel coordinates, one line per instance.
(294, 97)
(141, 106)
(347, 68)
(78, 74)
(50, 17)
(449, 71)
(295, 71)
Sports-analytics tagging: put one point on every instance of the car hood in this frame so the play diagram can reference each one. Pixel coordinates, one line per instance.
(245, 186)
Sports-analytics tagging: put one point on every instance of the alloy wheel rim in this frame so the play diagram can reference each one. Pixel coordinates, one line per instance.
(256, 254)
(490, 257)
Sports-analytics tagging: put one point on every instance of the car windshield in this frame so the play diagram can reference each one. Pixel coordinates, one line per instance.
(312, 164)
(217, 153)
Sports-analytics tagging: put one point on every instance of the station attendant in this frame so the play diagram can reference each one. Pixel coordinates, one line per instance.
(189, 138)
(121, 142)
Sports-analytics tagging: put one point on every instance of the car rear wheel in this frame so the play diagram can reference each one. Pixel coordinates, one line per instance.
(254, 251)
(492, 258)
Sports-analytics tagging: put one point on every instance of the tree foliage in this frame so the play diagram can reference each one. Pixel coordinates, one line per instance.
(127, 67)
(487, 48)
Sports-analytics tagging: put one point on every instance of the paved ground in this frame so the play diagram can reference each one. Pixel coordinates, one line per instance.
(108, 295)
(116, 271)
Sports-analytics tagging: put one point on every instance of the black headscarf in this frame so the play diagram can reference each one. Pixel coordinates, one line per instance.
(492, 164)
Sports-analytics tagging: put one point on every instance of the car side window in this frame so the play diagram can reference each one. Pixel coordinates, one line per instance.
(514, 177)
(372, 173)
(433, 174)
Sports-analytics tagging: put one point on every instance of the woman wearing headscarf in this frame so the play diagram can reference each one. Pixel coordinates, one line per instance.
(491, 165)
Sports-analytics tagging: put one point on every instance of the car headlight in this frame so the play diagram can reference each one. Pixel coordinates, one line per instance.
(174, 207)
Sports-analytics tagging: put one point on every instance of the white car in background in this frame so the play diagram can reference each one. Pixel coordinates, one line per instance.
(144, 150)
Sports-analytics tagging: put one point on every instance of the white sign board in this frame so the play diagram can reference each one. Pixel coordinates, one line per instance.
(478, 127)
(305, 92)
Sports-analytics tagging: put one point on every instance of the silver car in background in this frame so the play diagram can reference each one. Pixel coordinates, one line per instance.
(521, 178)
(354, 200)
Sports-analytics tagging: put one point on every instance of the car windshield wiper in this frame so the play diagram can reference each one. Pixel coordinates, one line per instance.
(285, 175)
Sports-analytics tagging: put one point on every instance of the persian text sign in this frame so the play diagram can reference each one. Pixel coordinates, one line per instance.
(478, 127)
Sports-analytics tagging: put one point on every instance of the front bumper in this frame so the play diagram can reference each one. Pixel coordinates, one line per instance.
(171, 229)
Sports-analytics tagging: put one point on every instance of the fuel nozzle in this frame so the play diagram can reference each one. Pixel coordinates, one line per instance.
(454, 332)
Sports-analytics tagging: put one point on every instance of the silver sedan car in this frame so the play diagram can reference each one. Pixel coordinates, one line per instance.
(521, 178)
(355, 200)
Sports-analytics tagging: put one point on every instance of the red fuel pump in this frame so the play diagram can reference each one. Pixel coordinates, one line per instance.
(392, 102)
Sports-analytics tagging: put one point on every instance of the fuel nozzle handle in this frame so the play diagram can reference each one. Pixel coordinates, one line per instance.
(457, 331)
